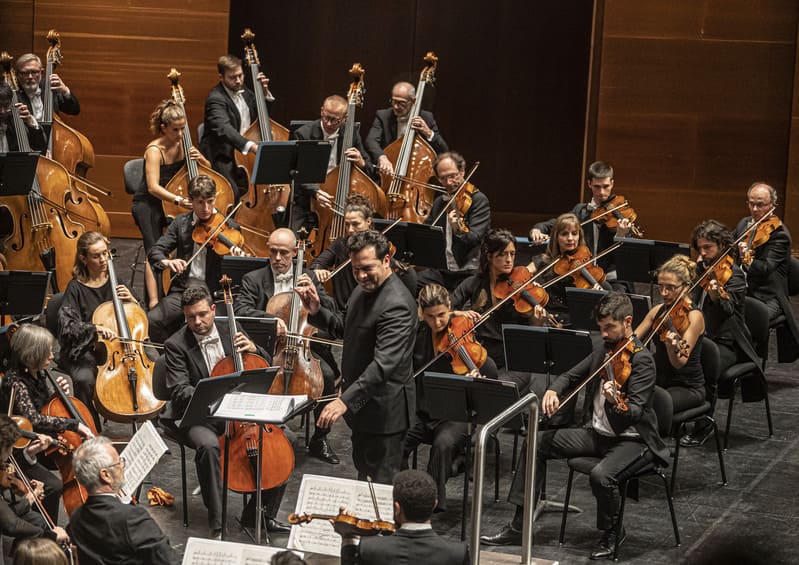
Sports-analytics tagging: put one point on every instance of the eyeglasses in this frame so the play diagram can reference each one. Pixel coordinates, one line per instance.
(120, 462)
(757, 205)
(332, 120)
(29, 73)
(275, 251)
(398, 102)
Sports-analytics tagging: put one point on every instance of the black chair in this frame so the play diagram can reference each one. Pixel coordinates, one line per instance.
(133, 175)
(644, 466)
(757, 320)
(710, 367)
(170, 432)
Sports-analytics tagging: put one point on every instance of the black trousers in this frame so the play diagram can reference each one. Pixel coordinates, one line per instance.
(683, 398)
(378, 456)
(617, 453)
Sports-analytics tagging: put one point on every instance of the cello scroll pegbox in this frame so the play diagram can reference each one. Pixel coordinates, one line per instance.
(250, 53)
(429, 71)
(177, 90)
(54, 51)
(357, 87)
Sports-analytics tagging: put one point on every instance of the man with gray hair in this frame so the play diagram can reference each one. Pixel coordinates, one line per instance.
(105, 529)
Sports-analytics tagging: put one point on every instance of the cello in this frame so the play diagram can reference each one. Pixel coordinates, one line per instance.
(261, 201)
(346, 178)
(300, 371)
(241, 442)
(179, 185)
(123, 391)
(413, 159)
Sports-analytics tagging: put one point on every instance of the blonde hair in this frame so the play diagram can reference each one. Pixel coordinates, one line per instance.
(681, 267)
(564, 221)
(432, 295)
(164, 114)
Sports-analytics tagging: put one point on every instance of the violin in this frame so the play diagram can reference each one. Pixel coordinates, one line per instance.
(346, 525)
(10, 480)
(617, 370)
(614, 209)
(759, 236)
(524, 300)
(216, 233)
(721, 273)
(588, 276)
(674, 318)
(468, 356)
(463, 201)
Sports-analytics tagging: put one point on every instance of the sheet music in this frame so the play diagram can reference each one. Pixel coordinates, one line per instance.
(213, 552)
(258, 407)
(325, 495)
(141, 454)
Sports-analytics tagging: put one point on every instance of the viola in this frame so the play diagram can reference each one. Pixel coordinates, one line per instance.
(462, 204)
(525, 300)
(468, 356)
(588, 276)
(617, 370)
(760, 236)
(346, 525)
(614, 209)
(674, 318)
(217, 234)
(721, 273)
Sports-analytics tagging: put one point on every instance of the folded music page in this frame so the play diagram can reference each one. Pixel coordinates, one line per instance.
(141, 454)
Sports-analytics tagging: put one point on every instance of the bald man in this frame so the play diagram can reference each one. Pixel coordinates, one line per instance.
(391, 123)
(258, 286)
(332, 117)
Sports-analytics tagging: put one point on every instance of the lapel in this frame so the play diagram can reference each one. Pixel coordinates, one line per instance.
(196, 355)
(232, 111)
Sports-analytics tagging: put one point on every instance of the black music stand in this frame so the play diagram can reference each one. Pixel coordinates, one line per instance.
(237, 267)
(418, 244)
(301, 161)
(474, 401)
(261, 331)
(639, 259)
(23, 293)
(526, 250)
(17, 173)
(582, 304)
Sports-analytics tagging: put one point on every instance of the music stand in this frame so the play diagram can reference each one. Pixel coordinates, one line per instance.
(17, 173)
(474, 401)
(639, 259)
(237, 267)
(23, 293)
(526, 250)
(582, 304)
(419, 244)
(261, 331)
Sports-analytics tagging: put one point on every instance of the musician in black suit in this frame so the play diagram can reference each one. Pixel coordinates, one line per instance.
(190, 355)
(414, 541)
(31, 82)
(327, 128)
(612, 432)
(391, 123)
(105, 529)
(767, 274)
(378, 328)
(8, 135)
(258, 286)
(230, 109)
(206, 267)
(464, 232)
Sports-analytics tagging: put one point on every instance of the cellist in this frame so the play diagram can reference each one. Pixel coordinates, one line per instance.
(190, 355)
(8, 137)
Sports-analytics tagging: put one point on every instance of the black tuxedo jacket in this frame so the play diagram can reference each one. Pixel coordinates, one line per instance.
(66, 104)
(384, 132)
(639, 389)
(185, 366)
(406, 547)
(378, 330)
(465, 245)
(258, 286)
(109, 532)
(222, 124)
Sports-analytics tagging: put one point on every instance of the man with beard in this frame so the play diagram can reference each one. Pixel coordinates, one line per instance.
(31, 83)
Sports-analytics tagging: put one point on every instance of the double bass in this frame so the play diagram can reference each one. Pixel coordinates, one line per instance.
(413, 159)
(264, 200)
(346, 178)
(179, 185)
(123, 391)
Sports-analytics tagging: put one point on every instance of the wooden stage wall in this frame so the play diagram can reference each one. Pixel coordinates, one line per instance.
(690, 100)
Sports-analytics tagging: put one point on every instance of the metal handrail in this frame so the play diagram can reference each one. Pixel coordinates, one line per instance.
(488, 429)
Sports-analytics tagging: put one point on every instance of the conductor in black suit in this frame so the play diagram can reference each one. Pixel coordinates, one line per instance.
(8, 134)
(31, 83)
(230, 109)
(414, 541)
(391, 124)
(105, 529)
(378, 327)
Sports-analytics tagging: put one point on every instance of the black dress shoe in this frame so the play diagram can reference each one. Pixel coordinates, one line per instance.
(320, 448)
(508, 535)
(275, 527)
(697, 437)
(606, 545)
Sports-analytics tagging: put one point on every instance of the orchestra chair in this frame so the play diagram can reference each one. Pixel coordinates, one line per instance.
(645, 465)
(133, 175)
(757, 320)
(785, 345)
(710, 367)
(169, 431)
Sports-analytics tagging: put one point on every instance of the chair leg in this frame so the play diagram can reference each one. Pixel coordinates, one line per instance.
(670, 500)
(718, 450)
(496, 469)
(729, 421)
(415, 457)
(566, 506)
(184, 485)
(307, 424)
(768, 416)
(515, 452)
(680, 431)
(620, 521)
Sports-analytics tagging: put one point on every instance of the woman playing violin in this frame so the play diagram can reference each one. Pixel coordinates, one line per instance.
(163, 158)
(31, 354)
(89, 288)
(447, 439)
(678, 347)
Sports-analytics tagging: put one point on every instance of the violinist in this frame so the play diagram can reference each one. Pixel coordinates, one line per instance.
(190, 355)
(29, 70)
(598, 236)
(414, 541)
(31, 354)
(391, 124)
(181, 237)
(258, 286)
(357, 217)
(89, 288)
(722, 304)
(678, 347)
(610, 432)
(8, 136)
(476, 294)
(768, 266)
(104, 528)
(229, 111)
(163, 158)
(447, 439)
(465, 223)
